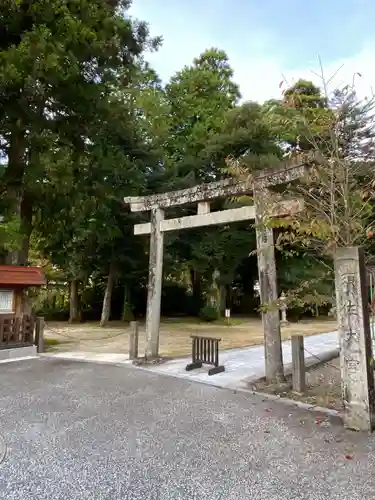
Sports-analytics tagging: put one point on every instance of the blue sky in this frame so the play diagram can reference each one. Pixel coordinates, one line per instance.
(267, 41)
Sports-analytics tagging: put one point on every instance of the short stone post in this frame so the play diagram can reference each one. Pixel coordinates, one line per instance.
(298, 364)
(283, 308)
(133, 340)
(39, 334)
(357, 374)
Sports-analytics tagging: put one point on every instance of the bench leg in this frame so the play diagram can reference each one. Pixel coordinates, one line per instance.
(216, 369)
(193, 366)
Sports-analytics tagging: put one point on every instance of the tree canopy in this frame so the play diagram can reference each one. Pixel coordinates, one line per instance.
(85, 121)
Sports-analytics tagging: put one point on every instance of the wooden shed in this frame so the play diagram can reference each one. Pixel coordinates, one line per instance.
(14, 280)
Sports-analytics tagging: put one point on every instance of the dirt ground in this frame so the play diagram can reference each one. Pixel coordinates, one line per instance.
(174, 334)
(324, 386)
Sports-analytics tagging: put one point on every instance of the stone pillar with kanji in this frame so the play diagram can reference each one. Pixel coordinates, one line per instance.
(357, 374)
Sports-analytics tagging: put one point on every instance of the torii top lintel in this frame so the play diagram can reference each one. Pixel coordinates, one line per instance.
(287, 172)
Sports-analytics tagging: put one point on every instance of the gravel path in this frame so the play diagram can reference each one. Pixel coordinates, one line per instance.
(87, 431)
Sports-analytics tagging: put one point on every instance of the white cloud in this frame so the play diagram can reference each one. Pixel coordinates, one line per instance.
(260, 78)
(259, 62)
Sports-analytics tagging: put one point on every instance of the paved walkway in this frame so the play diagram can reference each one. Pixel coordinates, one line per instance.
(85, 431)
(241, 365)
(244, 365)
(98, 357)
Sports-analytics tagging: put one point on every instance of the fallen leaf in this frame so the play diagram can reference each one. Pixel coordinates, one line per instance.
(349, 457)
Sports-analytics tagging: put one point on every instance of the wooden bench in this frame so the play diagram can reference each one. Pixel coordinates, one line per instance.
(205, 350)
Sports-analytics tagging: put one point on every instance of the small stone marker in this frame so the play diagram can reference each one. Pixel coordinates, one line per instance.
(227, 315)
(133, 340)
(298, 364)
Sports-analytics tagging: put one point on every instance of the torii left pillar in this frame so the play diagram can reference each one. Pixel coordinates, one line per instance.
(155, 280)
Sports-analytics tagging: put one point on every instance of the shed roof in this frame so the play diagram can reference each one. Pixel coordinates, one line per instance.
(22, 276)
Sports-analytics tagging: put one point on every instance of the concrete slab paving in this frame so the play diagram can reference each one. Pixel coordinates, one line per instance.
(106, 357)
(86, 431)
(241, 365)
(244, 365)
(14, 360)
(17, 353)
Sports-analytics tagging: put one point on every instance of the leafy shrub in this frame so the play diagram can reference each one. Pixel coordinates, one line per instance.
(209, 313)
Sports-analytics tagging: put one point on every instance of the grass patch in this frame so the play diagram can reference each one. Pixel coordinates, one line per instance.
(230, 322)
(175, 333)
(51, 342)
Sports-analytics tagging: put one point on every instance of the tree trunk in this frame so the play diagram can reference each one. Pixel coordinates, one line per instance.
(26, 304)
(213, 295)
(12, 257)
(106, 310)
(64, 300)
(26, 228)
(223, 299)
(195, 278)
(75, 313)
(127, 313)
(11, 182)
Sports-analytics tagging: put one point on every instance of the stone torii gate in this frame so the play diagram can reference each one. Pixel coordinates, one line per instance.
(351, 295)
(202, 195)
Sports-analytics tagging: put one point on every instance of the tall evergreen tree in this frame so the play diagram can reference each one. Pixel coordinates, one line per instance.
(59, 61)
(199, 97)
